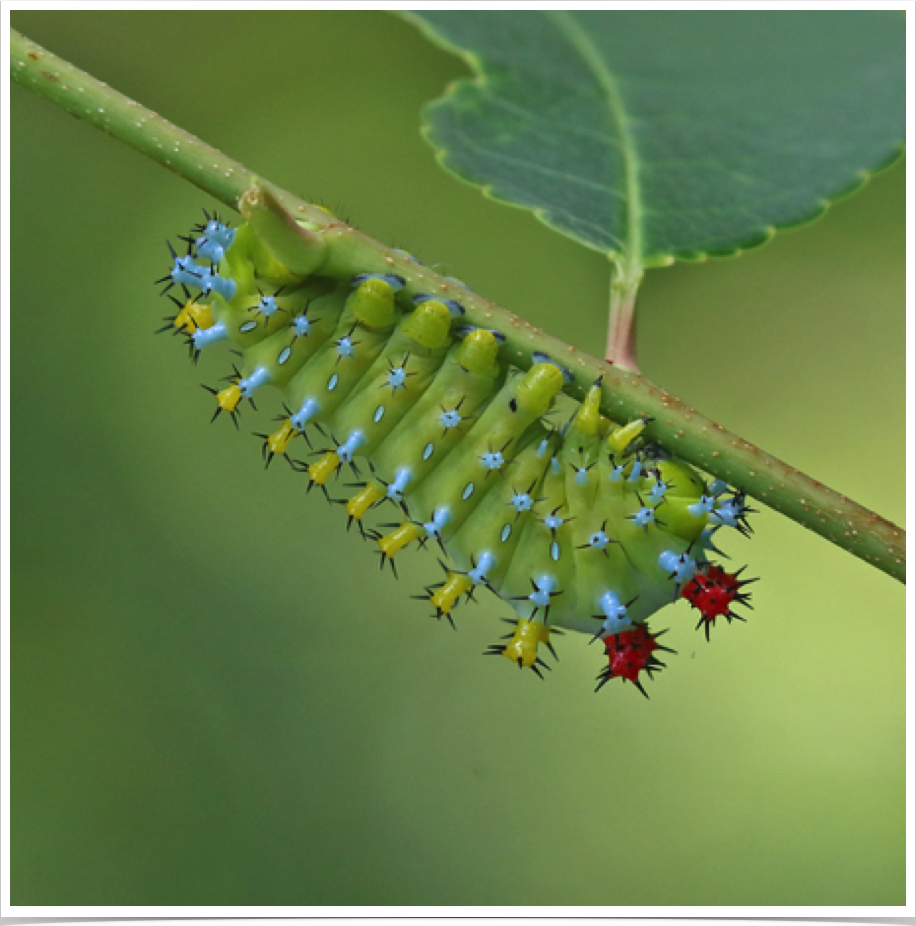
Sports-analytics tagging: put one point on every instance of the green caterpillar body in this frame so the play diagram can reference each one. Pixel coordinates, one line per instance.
(582, 525)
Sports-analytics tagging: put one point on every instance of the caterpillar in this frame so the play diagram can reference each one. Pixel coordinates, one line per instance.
(579, 523)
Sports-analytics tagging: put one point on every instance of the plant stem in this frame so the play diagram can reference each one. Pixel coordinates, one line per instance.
(626, 395)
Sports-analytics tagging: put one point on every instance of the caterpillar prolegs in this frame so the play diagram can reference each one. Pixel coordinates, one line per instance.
(577, 522)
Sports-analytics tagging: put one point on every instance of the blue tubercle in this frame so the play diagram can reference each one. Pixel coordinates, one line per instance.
(259, 378)
(409, 257)
(615, 613)
(301, 326)
(215, 241)
(204, 337)
(216, 231)
(657, 492)
(396, 488)
(703, 506)
(450, 419)
(728, 513)
(392, 279)
(455, 308)
(644, 517)
(307, 411)
(599, 540)
(462, 331)
(540, 357)
(441, 517)
(680, 567)
(522, 501)
(185, 272)
(544, 586)
(345, 347)
(222, 286)
(637, 471)
(267, 306)
(346, 450)
(397, 378)
(485, 562)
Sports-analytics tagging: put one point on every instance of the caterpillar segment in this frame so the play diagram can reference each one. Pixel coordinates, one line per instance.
(452, 491)
(431, 427)
(405, 367)
(586, 526)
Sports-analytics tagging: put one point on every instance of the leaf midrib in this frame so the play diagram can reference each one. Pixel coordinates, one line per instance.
(612, 99)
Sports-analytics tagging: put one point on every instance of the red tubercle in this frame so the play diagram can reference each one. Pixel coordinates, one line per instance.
(629, 653)
(713, 591)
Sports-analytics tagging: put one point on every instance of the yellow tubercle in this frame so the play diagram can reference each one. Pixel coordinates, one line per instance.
(455, 586)
(372, 303)
(194, 315)
(399, 538)
(428, 324)
(522, 649)
(478, 352)
(326, 467)
(620, 438)
(589, 415)
(538, 387)
(364, 500)
(227, 399)
(279, 440)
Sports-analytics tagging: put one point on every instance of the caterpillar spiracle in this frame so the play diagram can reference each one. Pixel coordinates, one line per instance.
(579, 524)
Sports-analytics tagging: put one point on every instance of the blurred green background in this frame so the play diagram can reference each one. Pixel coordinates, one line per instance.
(218, 699)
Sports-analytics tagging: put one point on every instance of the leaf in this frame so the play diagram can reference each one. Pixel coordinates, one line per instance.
(673, 134)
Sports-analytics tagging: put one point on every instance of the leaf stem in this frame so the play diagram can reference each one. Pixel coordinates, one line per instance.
(626, 395)
(621, 325)
(627, 272)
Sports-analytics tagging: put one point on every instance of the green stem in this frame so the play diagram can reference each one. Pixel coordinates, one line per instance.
(621, 326)
(627, 395)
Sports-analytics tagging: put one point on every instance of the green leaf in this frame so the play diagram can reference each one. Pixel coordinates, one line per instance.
(673, 134)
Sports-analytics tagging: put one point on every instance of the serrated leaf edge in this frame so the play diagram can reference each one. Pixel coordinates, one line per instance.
(756, 239)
